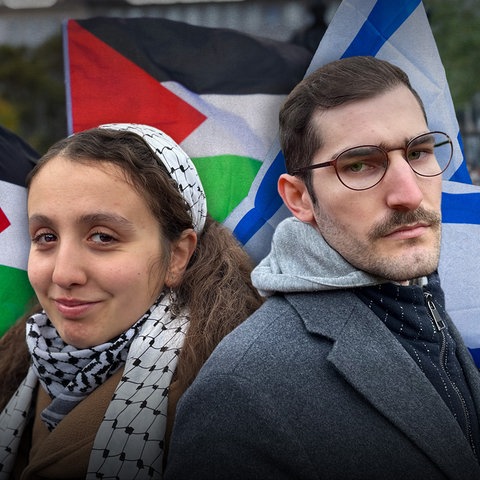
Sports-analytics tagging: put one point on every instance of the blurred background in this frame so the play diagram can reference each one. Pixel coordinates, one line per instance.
(32, 87)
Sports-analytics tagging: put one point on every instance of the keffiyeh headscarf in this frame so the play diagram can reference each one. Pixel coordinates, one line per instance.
(178, 164)
(150, 361)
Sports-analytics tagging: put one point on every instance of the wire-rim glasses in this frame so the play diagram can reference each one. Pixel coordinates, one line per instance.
(363, 167)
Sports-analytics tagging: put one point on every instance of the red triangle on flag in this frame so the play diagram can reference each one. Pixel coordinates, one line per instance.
(106, 87)
(4, 222)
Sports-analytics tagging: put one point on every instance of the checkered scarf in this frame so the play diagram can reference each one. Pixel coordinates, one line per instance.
(130, 439)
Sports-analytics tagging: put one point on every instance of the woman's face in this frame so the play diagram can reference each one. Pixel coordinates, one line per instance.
(96, 253)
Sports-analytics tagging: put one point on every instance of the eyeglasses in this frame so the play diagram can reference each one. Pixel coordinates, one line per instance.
(363, 167)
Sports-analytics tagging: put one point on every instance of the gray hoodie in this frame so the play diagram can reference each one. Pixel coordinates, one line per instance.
(300, 260)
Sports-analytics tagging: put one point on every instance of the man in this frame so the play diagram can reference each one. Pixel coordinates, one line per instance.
(351, 368)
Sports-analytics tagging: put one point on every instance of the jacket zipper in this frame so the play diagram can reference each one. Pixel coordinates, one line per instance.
(439, 324)
(437, 319)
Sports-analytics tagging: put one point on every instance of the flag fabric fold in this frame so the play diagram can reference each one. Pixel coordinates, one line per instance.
(16, 159)
(215, 92)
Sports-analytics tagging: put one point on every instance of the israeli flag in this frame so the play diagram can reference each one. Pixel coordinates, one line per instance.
(400, 33)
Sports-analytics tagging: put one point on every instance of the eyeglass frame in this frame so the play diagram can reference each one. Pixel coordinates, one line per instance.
(333, 162)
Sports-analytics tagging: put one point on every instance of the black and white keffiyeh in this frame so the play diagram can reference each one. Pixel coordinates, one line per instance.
(178, 164)
(129, 443)
(69, 374)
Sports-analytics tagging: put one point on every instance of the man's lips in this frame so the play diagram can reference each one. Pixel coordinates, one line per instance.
(408, 231)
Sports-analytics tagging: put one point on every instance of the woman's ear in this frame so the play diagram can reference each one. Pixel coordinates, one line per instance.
(296, 197)
(180, 254)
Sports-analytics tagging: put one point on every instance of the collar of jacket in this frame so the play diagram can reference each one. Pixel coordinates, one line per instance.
(375, 364)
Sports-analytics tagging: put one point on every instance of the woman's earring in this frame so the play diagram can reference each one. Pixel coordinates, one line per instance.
(172, 298)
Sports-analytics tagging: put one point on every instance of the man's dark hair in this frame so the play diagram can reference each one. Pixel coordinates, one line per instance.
(332, 85)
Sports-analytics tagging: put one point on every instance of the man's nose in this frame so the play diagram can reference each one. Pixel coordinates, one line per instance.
(403, 191)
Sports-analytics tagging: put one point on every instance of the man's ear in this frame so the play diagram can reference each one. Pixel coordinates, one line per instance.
(180, 254)
(296, 197)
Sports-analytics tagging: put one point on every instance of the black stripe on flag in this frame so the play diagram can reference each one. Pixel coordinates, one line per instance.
(203, 59)
(16, 158)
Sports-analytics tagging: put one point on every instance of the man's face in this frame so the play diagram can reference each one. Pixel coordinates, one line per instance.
(393, 229)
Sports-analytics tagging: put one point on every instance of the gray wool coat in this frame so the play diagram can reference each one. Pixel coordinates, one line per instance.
(314, 386)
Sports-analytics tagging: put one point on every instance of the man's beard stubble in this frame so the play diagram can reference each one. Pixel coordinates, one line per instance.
(364, 256)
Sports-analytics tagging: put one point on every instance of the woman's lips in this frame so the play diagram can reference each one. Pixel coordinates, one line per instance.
(73, 308)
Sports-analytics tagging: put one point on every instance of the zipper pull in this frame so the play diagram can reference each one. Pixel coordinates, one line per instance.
(440, 324)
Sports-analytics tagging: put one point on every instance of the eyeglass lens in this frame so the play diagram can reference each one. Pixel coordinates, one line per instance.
(363, 167)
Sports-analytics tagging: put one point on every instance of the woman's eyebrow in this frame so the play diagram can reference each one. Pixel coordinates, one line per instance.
(102, 217)
(39, 219)
(90, 218)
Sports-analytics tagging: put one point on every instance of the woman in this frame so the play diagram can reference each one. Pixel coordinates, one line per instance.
(132, 275)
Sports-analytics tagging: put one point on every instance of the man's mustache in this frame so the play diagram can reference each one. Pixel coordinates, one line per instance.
(399, 219)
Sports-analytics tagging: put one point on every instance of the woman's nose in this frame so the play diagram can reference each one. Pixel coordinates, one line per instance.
(69, 268)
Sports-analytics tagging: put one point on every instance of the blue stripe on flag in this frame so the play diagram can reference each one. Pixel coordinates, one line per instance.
(267, 202)
(384, 20)
(461, 208)
(461, 175)
(476, 355)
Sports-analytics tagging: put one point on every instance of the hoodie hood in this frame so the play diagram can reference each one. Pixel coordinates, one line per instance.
(300, 260)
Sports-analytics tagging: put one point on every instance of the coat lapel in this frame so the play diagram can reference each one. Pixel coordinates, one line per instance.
(369, 357)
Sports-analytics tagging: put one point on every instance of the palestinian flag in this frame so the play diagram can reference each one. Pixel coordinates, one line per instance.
(16, 160)
(217, 92)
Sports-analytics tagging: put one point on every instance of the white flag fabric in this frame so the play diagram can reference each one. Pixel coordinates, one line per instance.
(398, 32)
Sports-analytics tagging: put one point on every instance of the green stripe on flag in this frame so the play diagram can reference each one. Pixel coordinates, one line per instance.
(226, 180)
(15, 296)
